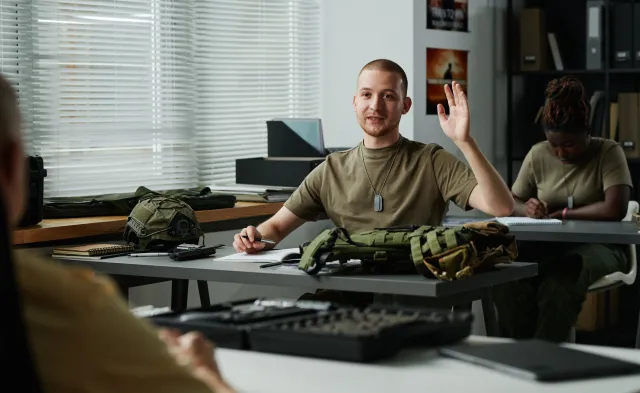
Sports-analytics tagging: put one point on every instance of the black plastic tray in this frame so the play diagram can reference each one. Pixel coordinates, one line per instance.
(229, 332)
(360, 335)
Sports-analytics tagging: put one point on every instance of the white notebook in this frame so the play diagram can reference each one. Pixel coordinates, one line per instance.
(511, 221)
(264, 256)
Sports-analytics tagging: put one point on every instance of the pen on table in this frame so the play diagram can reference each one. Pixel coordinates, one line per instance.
(271, 264)
(286, 261)
(257, 239)
(150, 254)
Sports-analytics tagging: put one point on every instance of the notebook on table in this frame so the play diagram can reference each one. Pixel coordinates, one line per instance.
(281, 255)
(94, 250)
(512, 221)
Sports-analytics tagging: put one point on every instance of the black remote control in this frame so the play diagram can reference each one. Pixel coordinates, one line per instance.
(187, 255)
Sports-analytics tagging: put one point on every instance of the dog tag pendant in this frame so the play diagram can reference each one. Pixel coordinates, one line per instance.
(570, 202)
(377, 203)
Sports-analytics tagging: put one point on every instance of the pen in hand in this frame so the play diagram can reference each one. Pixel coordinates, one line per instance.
(257, 239)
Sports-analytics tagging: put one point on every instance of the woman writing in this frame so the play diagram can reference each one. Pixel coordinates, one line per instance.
(571, 175)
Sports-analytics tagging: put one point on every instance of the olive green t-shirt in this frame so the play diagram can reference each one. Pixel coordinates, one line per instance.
(422, 179)
(544, 177)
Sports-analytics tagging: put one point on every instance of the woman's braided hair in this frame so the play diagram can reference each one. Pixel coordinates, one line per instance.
(565, 109)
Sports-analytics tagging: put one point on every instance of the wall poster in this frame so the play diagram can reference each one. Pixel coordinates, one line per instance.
(448, 15)
(443, 67)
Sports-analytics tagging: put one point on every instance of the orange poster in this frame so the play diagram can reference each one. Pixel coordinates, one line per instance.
(444, 66)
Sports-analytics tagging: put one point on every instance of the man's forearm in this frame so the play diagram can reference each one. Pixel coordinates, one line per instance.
(492, 188)
(519, 210)
(269, 231)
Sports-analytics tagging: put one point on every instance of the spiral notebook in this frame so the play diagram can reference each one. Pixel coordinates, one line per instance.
(94, 250)
(512, 221)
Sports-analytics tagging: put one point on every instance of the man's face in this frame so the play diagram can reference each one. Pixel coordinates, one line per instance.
(379, 102)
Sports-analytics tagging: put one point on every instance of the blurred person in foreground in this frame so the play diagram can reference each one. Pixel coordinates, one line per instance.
(82, 336)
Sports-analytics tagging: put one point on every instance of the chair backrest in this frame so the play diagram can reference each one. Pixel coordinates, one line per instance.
(18, 366)
(630, 278)
(632, 208)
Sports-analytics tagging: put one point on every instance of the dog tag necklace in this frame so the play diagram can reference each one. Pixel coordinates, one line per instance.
(566, 187)
(378, 203)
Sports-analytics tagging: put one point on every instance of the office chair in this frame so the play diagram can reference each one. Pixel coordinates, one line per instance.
(15, 353)
(617, 279)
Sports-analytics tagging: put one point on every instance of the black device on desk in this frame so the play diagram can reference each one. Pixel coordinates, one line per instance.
(193, 253)
(295, 146)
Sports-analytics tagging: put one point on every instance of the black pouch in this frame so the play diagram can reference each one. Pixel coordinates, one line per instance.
(36, 174)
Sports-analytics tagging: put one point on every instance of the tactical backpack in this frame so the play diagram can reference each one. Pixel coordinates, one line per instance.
(447, 253)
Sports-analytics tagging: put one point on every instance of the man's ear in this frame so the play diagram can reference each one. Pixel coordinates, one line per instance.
(406, 105)
(353, 103)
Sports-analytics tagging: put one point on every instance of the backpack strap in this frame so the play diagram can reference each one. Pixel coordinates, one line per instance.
(326, 239)
(450, 238)
(415, 239)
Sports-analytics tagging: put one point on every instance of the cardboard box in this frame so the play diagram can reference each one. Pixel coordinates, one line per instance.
(593, 316)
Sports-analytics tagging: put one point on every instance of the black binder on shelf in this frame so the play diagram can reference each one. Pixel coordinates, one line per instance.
(622, 34)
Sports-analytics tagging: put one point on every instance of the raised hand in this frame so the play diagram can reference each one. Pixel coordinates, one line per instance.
(456, 125)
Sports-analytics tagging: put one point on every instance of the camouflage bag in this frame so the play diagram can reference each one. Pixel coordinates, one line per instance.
(161, 222)
(447, 253)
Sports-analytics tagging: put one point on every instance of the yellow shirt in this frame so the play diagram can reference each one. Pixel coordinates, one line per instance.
(84, 339)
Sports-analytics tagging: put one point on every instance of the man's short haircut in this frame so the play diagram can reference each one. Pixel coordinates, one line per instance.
(389, 66)
(9, 112)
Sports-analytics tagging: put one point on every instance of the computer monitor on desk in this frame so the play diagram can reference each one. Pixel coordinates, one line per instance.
(295, 137)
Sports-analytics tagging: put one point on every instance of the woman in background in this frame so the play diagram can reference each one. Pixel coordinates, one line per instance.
(575, 176)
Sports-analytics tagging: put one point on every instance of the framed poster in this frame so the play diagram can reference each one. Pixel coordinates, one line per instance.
(443, 67)
(450, 15)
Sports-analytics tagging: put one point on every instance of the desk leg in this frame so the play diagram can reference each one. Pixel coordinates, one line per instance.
(638, 333)
(490, 319)
(203, 291)
(179, 294)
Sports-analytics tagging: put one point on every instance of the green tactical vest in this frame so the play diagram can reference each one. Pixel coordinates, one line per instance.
(447, 253)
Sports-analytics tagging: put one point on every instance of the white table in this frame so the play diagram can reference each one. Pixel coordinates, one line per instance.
(411, 371)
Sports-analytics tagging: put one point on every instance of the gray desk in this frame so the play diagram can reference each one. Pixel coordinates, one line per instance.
(411, 370)
(580, 232)
(616, 232)
(434, 291)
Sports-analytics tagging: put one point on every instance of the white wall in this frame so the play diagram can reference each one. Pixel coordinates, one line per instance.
(354, 33)
(479, 41)
(357, 31)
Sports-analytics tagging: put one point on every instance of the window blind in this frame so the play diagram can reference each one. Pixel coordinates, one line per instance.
(15, 51)
(110, 95)
(157, 93)
(255, 60)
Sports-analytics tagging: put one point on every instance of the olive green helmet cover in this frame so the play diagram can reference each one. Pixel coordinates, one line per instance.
(161, 222)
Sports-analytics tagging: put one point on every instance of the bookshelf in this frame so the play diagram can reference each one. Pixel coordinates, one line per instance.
(567, 19)
(525, 94)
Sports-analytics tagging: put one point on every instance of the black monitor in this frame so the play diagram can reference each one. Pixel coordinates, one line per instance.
(295, 137)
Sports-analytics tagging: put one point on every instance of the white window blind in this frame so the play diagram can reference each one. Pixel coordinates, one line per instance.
(110, 96)
(15, 50)
(255, 60)
(157, 93)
